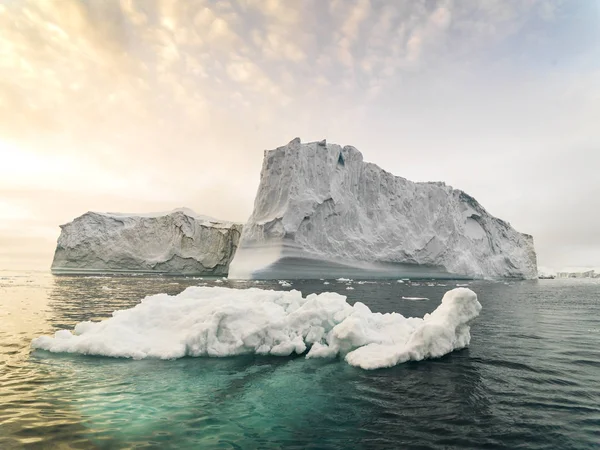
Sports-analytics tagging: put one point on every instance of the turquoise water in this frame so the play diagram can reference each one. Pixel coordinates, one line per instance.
(530, 379)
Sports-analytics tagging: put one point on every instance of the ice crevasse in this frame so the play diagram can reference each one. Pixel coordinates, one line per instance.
(219, 321)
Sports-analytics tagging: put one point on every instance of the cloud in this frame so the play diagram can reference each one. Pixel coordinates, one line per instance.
(172, 102)
(356, 15)
(441, 17)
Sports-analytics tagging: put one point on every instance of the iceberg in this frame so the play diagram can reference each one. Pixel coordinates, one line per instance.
(175, 242)
(219, 321)
(321, 209)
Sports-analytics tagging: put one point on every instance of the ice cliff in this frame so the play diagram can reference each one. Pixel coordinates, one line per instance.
(321, 210)
(176, 242)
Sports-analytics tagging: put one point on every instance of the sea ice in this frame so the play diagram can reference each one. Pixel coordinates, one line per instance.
(219, 321)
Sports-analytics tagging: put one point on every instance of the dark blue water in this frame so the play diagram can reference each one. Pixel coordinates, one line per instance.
(530, 379)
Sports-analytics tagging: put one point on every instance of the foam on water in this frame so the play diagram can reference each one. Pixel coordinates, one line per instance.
(219, 321)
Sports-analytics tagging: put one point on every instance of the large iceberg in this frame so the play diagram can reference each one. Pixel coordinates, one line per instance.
(176, 242)
(218, 321)
(321, 210)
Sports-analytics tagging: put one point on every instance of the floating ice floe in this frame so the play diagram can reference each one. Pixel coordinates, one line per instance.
(414, 298)
(218, 321)
(285, 283)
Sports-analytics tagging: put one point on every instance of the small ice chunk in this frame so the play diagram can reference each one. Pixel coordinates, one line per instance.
(219, 321)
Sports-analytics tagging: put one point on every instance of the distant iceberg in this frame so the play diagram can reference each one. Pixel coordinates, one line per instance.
(321, 210)
(218, 321)
(175, 242)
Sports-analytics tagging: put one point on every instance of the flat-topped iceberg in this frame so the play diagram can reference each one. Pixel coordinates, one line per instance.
(218, 321)
(321, 210)
(175, 242)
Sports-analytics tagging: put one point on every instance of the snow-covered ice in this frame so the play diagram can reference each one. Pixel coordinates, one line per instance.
(320, 207)
(415, 298)
(219, 321)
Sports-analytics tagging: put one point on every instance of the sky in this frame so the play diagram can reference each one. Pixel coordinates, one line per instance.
(139, 106)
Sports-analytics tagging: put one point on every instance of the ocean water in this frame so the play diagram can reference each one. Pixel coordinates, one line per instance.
(530, 378)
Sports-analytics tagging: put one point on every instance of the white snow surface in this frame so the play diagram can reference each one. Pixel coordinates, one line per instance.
(218, 321)
(186, 211)
(178, 242)
(320, 202)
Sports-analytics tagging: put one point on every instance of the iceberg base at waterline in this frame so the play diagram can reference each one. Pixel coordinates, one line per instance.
(218, 321)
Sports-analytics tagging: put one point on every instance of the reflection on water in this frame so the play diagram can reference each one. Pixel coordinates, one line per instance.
(530, 378)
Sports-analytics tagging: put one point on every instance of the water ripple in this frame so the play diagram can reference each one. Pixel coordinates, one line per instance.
(529, 380)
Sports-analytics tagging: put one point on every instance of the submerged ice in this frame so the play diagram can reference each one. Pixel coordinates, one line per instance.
(218, 321)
